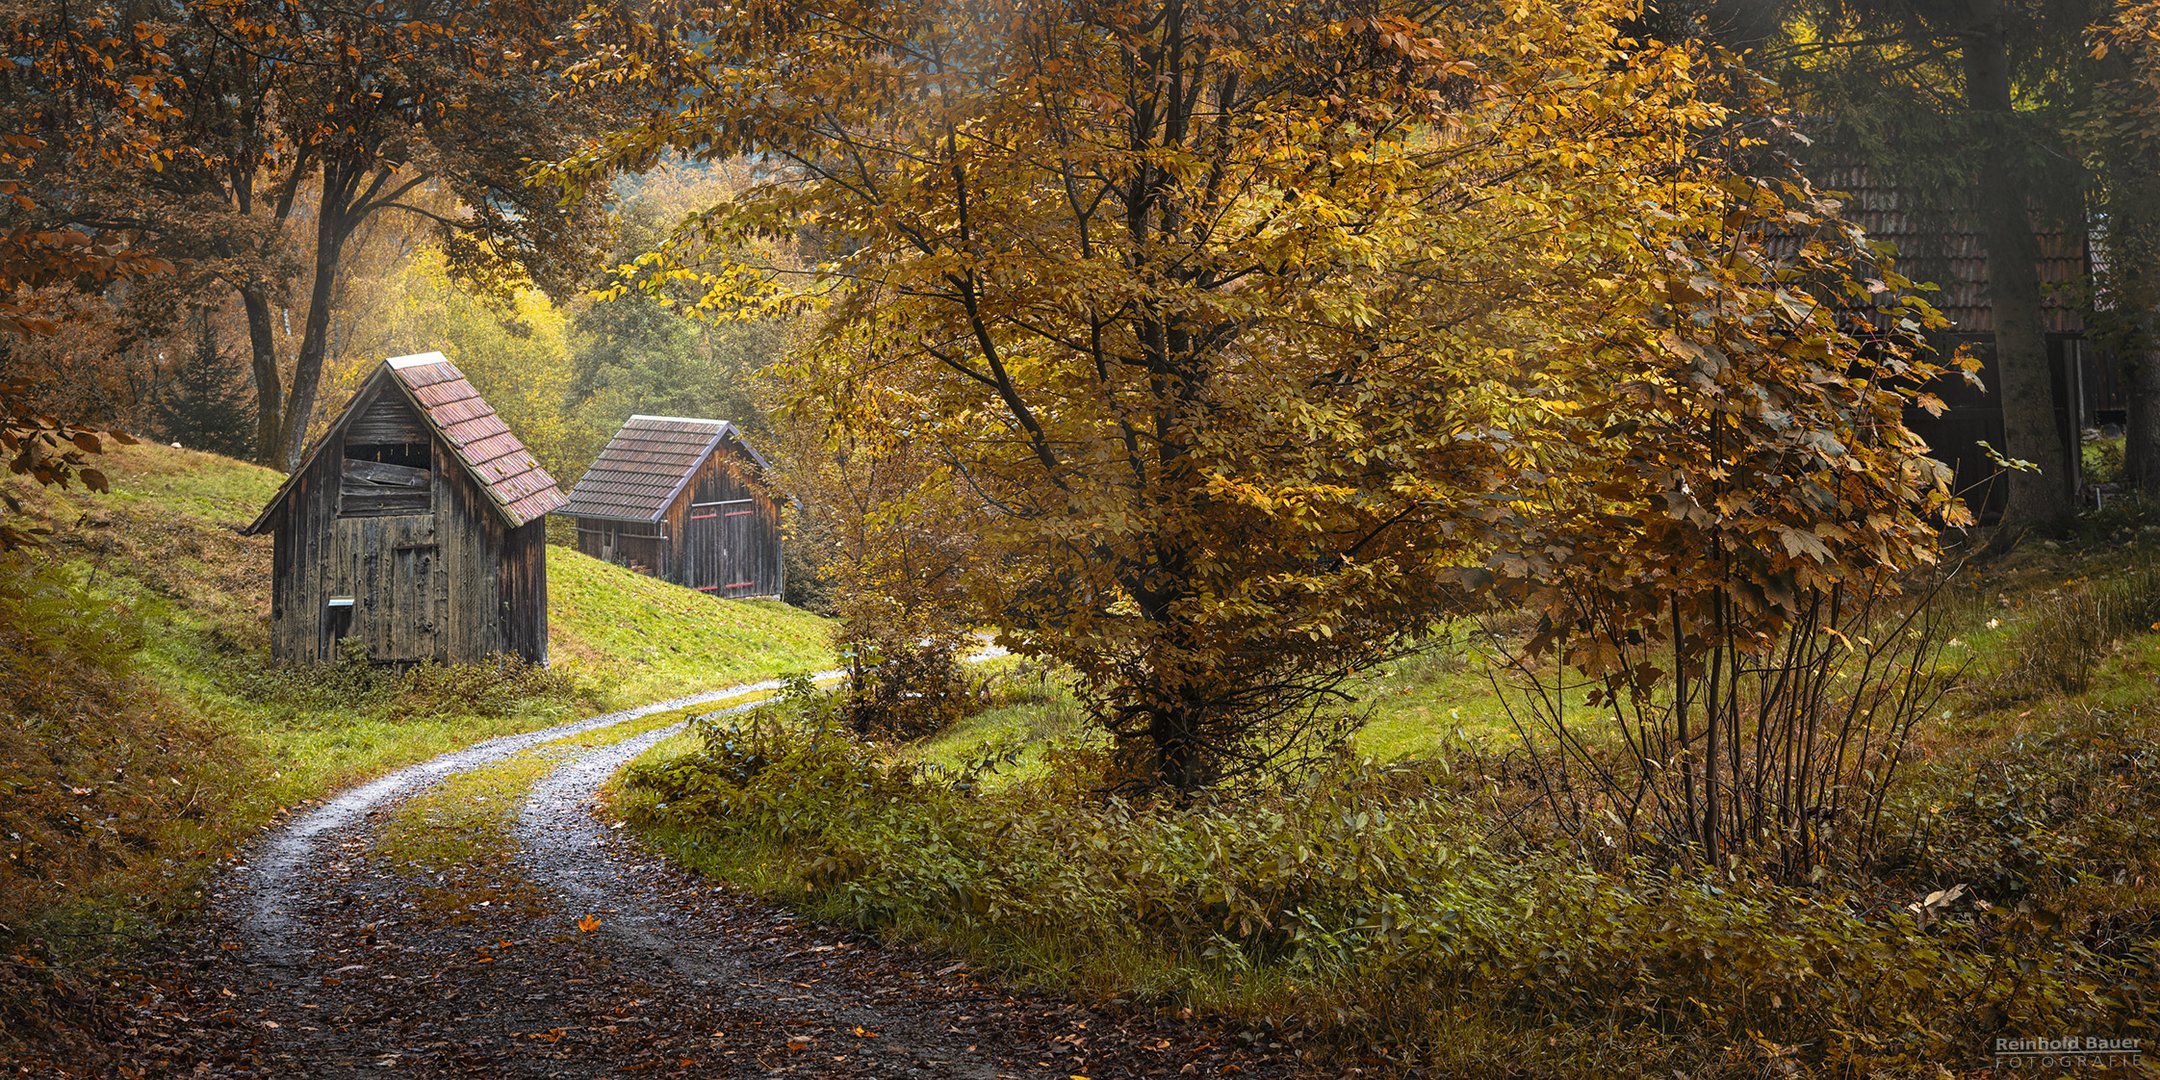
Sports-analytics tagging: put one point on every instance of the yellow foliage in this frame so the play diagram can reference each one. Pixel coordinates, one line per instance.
(1245, 339)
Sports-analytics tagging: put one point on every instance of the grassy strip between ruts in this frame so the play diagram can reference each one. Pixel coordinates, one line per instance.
(456, 837)
(468, 816)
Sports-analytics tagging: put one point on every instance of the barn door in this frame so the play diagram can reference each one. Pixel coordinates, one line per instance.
(399, 587)
(416, 573)
(702, 550)
(739, 524)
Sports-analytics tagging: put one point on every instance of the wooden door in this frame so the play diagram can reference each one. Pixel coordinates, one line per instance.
(399, 586)
(701, 549)
(739, 524)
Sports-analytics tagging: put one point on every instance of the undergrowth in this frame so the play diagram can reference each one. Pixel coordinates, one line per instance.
(1381, 910)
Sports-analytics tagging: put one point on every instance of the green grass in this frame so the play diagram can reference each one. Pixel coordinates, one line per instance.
(1420, 705)
(643, 639)
(1028, 712)
(163, 553)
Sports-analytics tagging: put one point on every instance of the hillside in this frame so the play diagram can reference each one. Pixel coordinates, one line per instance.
(149, 734)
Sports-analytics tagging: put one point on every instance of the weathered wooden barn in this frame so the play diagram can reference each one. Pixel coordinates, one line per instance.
(416, 524)
(1939, 241)
(681, 498)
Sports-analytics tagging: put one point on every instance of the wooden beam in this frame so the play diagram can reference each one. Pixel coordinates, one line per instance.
(386, 475)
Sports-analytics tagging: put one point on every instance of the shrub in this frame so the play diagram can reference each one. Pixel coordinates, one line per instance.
(1777, 748)
(2103, 459)
(499, 686)
(351, 684)
(1372, 906)
(902, 687)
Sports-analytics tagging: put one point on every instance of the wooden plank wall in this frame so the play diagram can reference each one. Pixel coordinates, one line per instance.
(621, 543)
(730, 531)
(452, 584)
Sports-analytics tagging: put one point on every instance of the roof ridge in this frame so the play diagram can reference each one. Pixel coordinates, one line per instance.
(679, 419)
(513, 507)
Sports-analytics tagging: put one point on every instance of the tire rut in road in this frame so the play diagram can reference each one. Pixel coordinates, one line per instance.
(280, 863)
(334, 955)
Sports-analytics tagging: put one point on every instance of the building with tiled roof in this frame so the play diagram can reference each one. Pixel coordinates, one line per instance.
(682, 498)
(415, 525)
(1938, 241)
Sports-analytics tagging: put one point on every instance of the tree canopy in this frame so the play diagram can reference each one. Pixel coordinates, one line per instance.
(1257, 336)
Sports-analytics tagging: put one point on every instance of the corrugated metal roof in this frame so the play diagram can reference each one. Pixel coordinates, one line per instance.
(519, 488)
(646, 465)
(1938, 241)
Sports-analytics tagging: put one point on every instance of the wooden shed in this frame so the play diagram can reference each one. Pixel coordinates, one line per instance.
(1939, 241)
(681, 498)
(416, 524)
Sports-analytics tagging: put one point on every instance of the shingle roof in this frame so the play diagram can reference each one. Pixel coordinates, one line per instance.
(519, 488)
(647, 464)
(522, 489)
(1938, 240)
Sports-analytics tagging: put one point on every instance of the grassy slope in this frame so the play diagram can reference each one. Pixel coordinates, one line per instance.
(645, 639)
(163, 549)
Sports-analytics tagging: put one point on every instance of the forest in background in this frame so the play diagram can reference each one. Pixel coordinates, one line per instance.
(170, 363)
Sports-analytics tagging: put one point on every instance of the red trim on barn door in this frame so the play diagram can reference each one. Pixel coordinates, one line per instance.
(739, 585)
(701, 517)
(735, 513)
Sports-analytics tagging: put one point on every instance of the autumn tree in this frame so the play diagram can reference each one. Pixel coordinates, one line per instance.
(68, 112)
(1251, 338)
(292, 124)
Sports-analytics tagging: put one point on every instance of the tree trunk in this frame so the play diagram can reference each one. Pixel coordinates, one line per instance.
(332, 226)
(269, 387)
(2023, 381)
(1180, 759)
(2141, 435)
(2133, 241)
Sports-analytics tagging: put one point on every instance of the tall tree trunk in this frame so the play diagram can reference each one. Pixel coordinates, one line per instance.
(2023, 381)
(333, 224)
(269, 387)
(2133, 241)
(2133, 245)
(2141, 434)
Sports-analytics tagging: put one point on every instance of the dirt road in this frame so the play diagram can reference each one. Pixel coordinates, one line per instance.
(472, 916)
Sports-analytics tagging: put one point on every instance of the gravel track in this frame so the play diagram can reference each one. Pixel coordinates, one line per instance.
(282, 859)
(579, 953)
